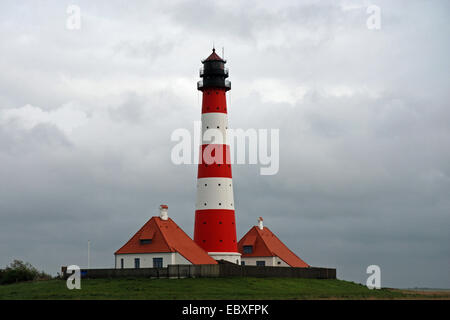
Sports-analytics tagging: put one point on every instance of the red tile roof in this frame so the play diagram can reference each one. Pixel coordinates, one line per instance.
(147, 234)
(249, 240)
(166, 236)
(266, 244)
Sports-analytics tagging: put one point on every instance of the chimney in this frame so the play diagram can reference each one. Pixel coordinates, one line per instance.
(163, 212)
(260, 223)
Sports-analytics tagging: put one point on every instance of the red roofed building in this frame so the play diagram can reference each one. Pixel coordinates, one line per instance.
(261, 247)
(158, 243)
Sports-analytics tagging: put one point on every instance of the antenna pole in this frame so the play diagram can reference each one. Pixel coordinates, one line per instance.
(89, 254)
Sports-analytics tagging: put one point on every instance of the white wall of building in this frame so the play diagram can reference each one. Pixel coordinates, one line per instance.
(233, 257)
(270, 261)
(146, 259)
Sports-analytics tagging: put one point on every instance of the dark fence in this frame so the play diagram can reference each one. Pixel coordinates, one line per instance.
(209, 271)
(227, 270)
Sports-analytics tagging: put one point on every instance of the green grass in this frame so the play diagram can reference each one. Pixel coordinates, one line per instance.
(205, 288)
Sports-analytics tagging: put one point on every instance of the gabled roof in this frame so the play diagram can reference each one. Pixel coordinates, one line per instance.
(266, 244)
(166, 236)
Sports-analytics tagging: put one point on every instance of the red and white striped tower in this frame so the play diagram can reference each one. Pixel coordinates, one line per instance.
(215, 227)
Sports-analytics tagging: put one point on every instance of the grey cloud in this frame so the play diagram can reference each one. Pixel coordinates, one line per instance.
(16, 141)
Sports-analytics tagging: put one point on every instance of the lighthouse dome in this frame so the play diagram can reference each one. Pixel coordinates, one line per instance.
(214, 73)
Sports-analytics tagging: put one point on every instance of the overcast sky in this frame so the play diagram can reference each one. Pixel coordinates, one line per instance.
(364, 118)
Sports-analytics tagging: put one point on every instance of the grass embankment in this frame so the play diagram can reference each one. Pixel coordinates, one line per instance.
(206, 288)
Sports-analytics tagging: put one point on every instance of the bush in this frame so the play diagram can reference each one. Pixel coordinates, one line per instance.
(19, 271)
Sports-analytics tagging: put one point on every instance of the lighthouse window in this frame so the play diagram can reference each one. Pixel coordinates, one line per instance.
(217, 108)
(207, 127)
(205, 203)
(220, 222)
(220, 205)
(206, 184)
(204, 222)
(217, 127)
(248, 249)
(219, 184)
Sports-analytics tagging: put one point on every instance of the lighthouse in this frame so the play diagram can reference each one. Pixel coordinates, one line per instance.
(215, 225)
